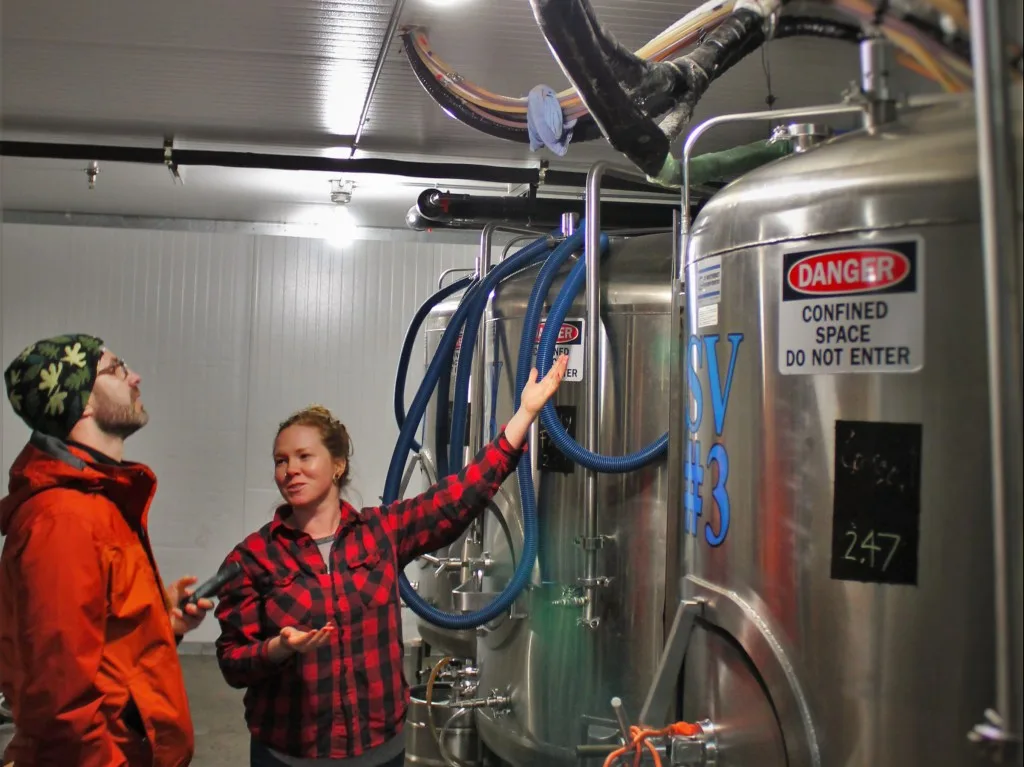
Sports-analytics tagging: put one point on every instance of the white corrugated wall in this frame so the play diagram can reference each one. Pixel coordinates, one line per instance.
(230, 333)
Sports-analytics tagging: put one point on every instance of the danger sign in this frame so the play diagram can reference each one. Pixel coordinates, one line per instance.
(569, 342)
(852, 309)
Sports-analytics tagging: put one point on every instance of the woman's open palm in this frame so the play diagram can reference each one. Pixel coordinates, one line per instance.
(300, 641)
(537, 393)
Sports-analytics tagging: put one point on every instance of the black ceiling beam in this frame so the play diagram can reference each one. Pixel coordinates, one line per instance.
(263, 161)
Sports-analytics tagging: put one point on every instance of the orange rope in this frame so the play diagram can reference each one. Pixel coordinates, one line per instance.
(638, 739)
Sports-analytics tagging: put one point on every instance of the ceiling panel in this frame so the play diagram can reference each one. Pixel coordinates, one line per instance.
(292, 69)
(291, 75)
(500, 47)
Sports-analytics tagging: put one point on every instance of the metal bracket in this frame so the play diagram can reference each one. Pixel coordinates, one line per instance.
(591, 544)
(170, 162)
(659, 697)
(571, 596)
(542, 172)
(91, 173)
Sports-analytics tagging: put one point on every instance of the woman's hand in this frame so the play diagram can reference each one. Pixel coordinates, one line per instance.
(293, 641)
(537, 393)
(535, 396)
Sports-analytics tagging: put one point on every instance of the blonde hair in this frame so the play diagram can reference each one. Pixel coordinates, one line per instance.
(333, 434)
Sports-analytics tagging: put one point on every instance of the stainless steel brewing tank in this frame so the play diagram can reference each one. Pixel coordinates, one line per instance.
(437, 588)
(836, 477)
(560, 675)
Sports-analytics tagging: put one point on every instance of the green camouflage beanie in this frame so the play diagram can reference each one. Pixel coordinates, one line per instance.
(50, 382)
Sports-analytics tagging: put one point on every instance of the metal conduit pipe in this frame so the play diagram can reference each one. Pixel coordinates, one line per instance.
(831, 110)
(446, 272)
(1003, 727)
(592, 250)
(511, 244)
(270, 161)
(378, 66)
(465, 211)
(483, 266)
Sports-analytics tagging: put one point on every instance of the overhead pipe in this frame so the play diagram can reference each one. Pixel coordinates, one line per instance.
(1003, 727)
(626, 94)
(477, 117)
(640, 105)
(474, 211)
(269, 161)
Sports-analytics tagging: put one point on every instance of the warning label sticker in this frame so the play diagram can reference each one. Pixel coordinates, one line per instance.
(854, 309)
(570, 341)
(709, 291)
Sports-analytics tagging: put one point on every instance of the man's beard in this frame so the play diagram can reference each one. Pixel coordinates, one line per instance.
(120, 420)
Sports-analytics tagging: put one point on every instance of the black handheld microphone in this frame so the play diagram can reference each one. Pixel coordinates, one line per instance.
(209, 588)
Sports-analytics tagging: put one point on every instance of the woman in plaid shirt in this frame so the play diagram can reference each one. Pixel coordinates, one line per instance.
(312, 627)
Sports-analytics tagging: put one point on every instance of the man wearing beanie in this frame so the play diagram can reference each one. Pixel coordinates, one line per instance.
(88, 633)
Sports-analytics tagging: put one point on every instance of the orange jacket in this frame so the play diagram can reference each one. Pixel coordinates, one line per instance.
(84, 626)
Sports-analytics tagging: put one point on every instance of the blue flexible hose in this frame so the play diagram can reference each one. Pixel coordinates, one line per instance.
(557, 433)
(443, 419)
(442, 358)
(410, 341)
(460, 397)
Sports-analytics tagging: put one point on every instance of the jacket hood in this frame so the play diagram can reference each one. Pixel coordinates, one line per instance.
(47, 462)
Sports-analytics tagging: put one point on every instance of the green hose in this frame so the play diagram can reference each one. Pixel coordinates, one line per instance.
(724, 165)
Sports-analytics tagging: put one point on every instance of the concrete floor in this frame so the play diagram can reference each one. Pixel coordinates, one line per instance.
(221, 737)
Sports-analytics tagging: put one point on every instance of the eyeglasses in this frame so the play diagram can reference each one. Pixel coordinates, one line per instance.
(118, 368)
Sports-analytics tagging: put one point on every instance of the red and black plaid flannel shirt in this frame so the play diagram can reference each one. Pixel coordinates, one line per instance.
(350, 695)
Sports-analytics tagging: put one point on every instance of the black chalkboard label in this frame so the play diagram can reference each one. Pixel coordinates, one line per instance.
(876, 506)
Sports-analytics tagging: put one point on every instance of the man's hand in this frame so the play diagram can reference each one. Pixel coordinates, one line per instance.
(183, 622)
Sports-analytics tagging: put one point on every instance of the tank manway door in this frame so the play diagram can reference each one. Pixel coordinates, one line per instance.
(743, 725)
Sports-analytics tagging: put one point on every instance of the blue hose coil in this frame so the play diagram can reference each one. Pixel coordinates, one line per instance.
(556, 432)
(443, 418)
(442, 358)
(460, 397)
(525, 362)
(410, 341)
(477, 299)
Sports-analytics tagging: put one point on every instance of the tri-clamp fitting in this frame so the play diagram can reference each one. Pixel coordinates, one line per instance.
(456, 564)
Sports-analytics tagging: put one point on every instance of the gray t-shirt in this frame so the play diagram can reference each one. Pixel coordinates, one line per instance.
(325, 544)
